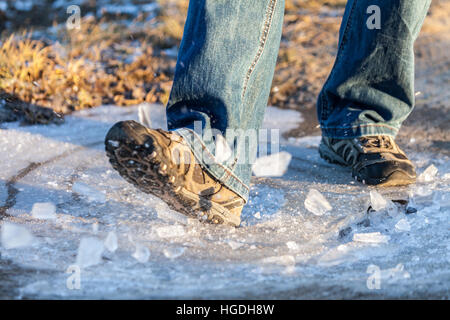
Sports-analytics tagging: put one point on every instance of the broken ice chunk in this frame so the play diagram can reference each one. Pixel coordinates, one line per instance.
(44, 210)
(141, 254)
(371, 237)
(88, 192)
(15, 236)
(392, 209)
(403, 225)
(428, 175)
(377, 201)
(274, 165)
(316, 203)
(173, 253)
(144, 115)
(170, 231)
(89, 252)
(223, 150)
(111, 242)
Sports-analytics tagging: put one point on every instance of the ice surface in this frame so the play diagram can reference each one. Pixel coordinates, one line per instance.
(286, 260)
(91, 193)
(89, 252)
(111, 242)
(44, 211)
(141, 253)
(377, 201)
(428, 175)
(165, 213)
(395, 274)
(316, 203)
(274, 165)
(306, 142)
(323, 263)
(15, 236)
(371, 237)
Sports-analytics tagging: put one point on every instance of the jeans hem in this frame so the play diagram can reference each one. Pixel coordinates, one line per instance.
(219, 171)
(359, 131)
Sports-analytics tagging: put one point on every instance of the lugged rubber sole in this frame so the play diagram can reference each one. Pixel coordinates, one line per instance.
(396, 178)
(147, 167)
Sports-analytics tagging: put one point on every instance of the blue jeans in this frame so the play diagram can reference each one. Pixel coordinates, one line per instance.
(226, 64)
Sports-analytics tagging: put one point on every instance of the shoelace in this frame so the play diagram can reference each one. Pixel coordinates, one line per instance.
(376, 142)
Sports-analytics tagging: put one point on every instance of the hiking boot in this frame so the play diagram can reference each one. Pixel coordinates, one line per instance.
(375, 160)
(161, 163)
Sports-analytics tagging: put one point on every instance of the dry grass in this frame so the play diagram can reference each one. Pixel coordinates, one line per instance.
(86, 71)
(105, 62)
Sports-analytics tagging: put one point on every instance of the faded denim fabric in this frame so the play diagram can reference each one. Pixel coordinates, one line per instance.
(226, 63)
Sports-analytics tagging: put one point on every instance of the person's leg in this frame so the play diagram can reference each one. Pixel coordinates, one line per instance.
(222, 80)
(370, 90)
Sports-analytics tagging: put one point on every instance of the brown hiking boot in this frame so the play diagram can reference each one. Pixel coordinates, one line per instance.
(375, 160)
(160, 163)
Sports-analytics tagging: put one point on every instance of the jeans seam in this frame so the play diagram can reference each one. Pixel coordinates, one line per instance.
(228, 173)
(339, 54)
(262, 42)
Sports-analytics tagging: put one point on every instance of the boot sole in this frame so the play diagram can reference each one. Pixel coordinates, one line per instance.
(147, 168)
(396, 178)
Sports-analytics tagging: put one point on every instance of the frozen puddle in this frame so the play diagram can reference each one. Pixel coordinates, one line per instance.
(75, 229)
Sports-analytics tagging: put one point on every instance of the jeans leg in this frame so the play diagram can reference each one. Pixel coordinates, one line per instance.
(370, 90)
(222, 82)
